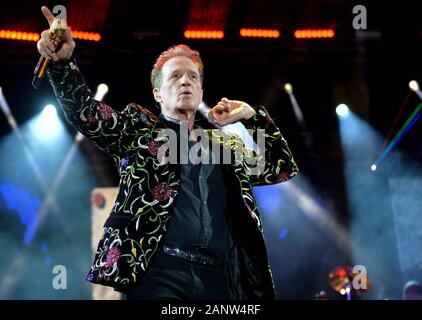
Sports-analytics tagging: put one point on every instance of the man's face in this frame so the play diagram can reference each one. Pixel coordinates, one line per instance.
(181, 88)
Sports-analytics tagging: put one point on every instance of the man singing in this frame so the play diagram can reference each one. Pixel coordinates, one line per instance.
(178, 230)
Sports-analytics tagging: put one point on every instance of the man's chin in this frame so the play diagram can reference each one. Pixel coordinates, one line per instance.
(188, 107)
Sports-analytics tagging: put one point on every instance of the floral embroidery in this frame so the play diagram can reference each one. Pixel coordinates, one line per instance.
(113, 255)
(283, 176)
(104, 111)
(153, 147)
(162, 192)
(91, 119)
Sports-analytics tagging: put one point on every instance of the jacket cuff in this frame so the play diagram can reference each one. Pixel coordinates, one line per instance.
(260, 118)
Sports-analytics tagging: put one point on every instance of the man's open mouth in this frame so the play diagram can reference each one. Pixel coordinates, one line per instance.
(185, 93)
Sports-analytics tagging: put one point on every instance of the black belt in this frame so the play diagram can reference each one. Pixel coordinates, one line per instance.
(200, 255)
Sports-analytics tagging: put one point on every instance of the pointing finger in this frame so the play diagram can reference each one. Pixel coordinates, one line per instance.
(47, 14)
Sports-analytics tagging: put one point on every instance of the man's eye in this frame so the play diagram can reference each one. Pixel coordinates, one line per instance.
(175, 75)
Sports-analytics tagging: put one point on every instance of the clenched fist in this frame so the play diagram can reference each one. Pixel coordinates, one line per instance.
(229, 111)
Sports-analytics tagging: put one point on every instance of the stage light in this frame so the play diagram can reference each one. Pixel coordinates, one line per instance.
(414, 85)
(288, 88)
(374, 167)
(49, 112)
(296, 108)
(204, 34)
(83, 35)
(19, 35)
(260, 33)
(48, 123)
(342, 110)
(269, 199)
(33, 36)
(314, 33)
(47, 126)
(102, 89)
(410, 122)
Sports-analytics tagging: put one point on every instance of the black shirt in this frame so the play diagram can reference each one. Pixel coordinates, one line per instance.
(199, 216)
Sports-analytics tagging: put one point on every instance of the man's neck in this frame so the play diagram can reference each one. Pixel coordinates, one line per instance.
(188, 117)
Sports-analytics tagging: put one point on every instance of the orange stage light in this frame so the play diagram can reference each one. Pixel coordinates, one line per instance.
(32, 36)
(204, 34)
(314, 33)
(260, 33)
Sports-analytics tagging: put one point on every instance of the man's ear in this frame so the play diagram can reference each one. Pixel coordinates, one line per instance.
(156, 93)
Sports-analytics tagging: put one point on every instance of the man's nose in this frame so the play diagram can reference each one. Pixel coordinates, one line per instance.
(184, 80)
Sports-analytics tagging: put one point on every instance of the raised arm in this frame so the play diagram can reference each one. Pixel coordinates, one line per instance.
(110, 130)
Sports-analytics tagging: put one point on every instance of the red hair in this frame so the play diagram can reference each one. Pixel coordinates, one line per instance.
(180, 50)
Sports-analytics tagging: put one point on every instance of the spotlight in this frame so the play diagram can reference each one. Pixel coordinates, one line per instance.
(414, 85)
(374, 167)
(342, 110)
(288, 87)
(49, 112)
(102, 89)
(343, 292)
(46, 126)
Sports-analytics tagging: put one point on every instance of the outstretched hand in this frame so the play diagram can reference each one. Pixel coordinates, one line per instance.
(46, 47)
(229, 111)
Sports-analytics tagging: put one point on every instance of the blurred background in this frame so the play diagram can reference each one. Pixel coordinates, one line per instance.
(347, 112)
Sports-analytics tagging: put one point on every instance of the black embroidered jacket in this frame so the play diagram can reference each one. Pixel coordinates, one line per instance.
(149, 186)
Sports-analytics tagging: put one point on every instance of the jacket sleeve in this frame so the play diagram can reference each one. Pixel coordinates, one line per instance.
(277, 160)
(112, 131)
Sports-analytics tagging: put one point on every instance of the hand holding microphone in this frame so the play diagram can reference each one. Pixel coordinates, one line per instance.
(56, 44)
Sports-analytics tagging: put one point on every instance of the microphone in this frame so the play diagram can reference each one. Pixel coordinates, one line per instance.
(57, 30)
